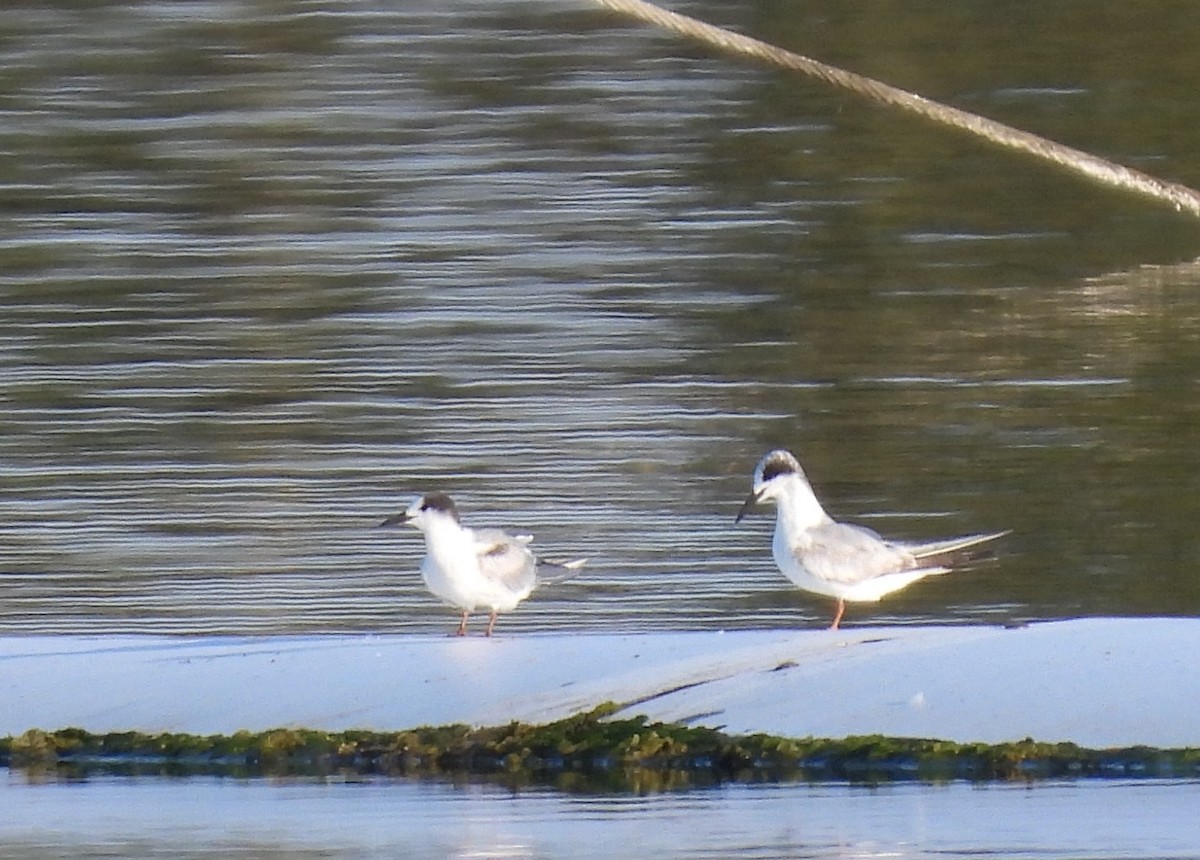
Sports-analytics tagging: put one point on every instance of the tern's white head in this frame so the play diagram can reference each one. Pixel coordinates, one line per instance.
(778, 478)
(425, 512)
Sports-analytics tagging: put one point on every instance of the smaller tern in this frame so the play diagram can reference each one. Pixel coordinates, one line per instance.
(470, 568)
(839, 560)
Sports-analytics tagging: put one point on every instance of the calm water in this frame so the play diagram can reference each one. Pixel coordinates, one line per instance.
(174, 819)
(269, 269)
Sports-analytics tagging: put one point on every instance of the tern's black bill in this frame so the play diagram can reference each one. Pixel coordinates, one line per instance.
(395, 519)
(747, 507)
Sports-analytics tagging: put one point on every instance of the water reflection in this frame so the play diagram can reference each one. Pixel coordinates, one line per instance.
(1105, 821)
(267, 271)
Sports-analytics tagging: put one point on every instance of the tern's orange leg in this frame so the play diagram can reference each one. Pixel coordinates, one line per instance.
(492, 623)
(837, 619)
(462, 626)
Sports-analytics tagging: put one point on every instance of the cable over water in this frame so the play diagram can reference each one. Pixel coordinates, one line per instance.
(1181, 197)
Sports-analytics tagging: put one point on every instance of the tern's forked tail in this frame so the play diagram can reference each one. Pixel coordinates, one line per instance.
(550, 571)
(954, 552)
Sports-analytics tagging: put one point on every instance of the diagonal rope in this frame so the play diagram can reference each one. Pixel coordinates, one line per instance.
(1181, 197)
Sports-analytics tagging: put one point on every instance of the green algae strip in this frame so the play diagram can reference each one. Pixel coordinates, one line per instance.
(589, 751)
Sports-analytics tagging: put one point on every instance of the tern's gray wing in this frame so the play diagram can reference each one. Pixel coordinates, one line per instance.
(505, 559)
(841, 552)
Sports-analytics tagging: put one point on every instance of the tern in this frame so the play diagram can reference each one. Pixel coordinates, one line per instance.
(471, 568)
(839, 560)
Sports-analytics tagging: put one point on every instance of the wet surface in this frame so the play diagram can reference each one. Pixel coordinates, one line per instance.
(382, 818)
(269, 271)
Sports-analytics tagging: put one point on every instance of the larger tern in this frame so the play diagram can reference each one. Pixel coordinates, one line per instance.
(839, 560)
(471, 568)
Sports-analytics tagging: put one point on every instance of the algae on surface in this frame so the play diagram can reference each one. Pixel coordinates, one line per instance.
(587, 752)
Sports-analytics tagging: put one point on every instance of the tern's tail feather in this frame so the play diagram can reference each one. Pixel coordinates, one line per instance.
(953, 551)
(550, 572)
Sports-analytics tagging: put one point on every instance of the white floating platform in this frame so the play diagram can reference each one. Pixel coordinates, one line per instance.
(1099, 682)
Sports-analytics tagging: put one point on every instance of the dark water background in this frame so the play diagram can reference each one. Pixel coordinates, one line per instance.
(268, 269)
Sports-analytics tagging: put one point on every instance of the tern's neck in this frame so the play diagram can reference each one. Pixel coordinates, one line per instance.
(798, 508)
(443, 534)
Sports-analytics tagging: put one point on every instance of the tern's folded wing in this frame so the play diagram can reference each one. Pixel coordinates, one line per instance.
(505, 559)
(840, 552)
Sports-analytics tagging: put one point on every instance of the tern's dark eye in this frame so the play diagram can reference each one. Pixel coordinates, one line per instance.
(438, 503)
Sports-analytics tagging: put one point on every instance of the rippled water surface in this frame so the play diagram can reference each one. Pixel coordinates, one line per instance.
(269, 269)
(260, 819)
